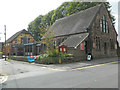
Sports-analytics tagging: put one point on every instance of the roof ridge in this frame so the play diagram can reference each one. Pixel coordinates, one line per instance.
(78, 12)
(75, 23)
(15, 35)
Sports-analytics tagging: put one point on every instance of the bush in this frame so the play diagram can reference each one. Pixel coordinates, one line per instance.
(14, 55)
(69, 55)
(1, 52)
(43, 56)
(52, 56)
(53, 53)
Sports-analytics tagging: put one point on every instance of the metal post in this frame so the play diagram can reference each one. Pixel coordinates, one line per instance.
(0, 37)
(5, 41)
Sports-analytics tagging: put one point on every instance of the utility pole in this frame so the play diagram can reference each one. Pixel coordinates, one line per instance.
(0, 37)
(5, 41)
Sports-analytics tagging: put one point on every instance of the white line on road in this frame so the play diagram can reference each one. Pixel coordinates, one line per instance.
(3, 79)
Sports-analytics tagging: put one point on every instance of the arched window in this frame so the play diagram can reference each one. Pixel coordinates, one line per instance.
(101, 25)
(107, 28)
(98, 43)
(104, 24)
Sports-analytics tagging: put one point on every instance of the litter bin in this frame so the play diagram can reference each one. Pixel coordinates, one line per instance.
(89, 57)
(31, 58)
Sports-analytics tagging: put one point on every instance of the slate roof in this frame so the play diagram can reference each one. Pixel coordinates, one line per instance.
(16, 34)
(75, 40)
(75, 23)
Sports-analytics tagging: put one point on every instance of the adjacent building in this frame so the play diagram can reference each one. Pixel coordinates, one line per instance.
(18, 43)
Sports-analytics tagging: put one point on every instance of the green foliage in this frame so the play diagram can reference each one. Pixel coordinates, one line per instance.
(42, 56)
(69, 55)
(14, 55)
(47, 38)
(52, 57)
(66, 9)
(1, 52)
(54, 53)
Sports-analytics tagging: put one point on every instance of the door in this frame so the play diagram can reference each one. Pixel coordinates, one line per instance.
(105, 48)
(86, 47)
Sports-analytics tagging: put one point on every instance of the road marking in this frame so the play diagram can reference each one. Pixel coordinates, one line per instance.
(4, 78)
(50, 68)
(95, 65)
(53, 69)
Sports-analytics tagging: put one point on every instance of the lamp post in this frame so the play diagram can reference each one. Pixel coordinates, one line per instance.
(5, 41)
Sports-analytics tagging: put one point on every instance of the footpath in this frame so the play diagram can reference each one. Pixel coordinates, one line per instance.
(85, 63)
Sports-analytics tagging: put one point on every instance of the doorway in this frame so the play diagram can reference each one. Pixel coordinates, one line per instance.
(86, 49)
(105, 48)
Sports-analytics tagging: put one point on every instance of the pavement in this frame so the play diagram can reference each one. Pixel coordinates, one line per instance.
(71, 66)
(12, 68)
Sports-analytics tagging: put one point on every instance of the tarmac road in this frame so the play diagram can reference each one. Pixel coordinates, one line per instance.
(86, 75)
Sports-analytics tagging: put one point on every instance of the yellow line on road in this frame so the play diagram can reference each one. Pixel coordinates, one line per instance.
(95, 65)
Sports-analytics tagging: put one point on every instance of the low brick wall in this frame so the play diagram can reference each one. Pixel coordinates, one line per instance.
(55, 60)
(50, 60)
(19, 58)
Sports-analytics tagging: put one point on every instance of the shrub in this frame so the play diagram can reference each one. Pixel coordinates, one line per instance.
(43, 55)
(1, 52)
(69, 55)
(52, 56)
(14, 55)
(53, 53)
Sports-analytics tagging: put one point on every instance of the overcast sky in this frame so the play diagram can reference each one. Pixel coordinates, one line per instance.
(17, 14)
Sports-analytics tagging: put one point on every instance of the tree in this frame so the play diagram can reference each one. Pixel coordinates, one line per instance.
(47, 38)
(33, 27)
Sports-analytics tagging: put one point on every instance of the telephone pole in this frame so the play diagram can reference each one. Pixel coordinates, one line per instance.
(0, 37)
(5, 41)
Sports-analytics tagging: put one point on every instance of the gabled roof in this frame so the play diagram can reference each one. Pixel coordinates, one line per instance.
(75, 23)
(75, 40)
(16, 35)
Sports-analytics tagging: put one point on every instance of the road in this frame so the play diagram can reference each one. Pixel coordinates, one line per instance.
(98, 76)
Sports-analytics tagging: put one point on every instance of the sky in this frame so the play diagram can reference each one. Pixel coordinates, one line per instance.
(17, 14)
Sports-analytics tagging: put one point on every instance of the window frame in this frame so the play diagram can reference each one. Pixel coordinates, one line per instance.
(22, 40)
(101, 25)
(16, 41)
(97, 41)
(82, 47)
